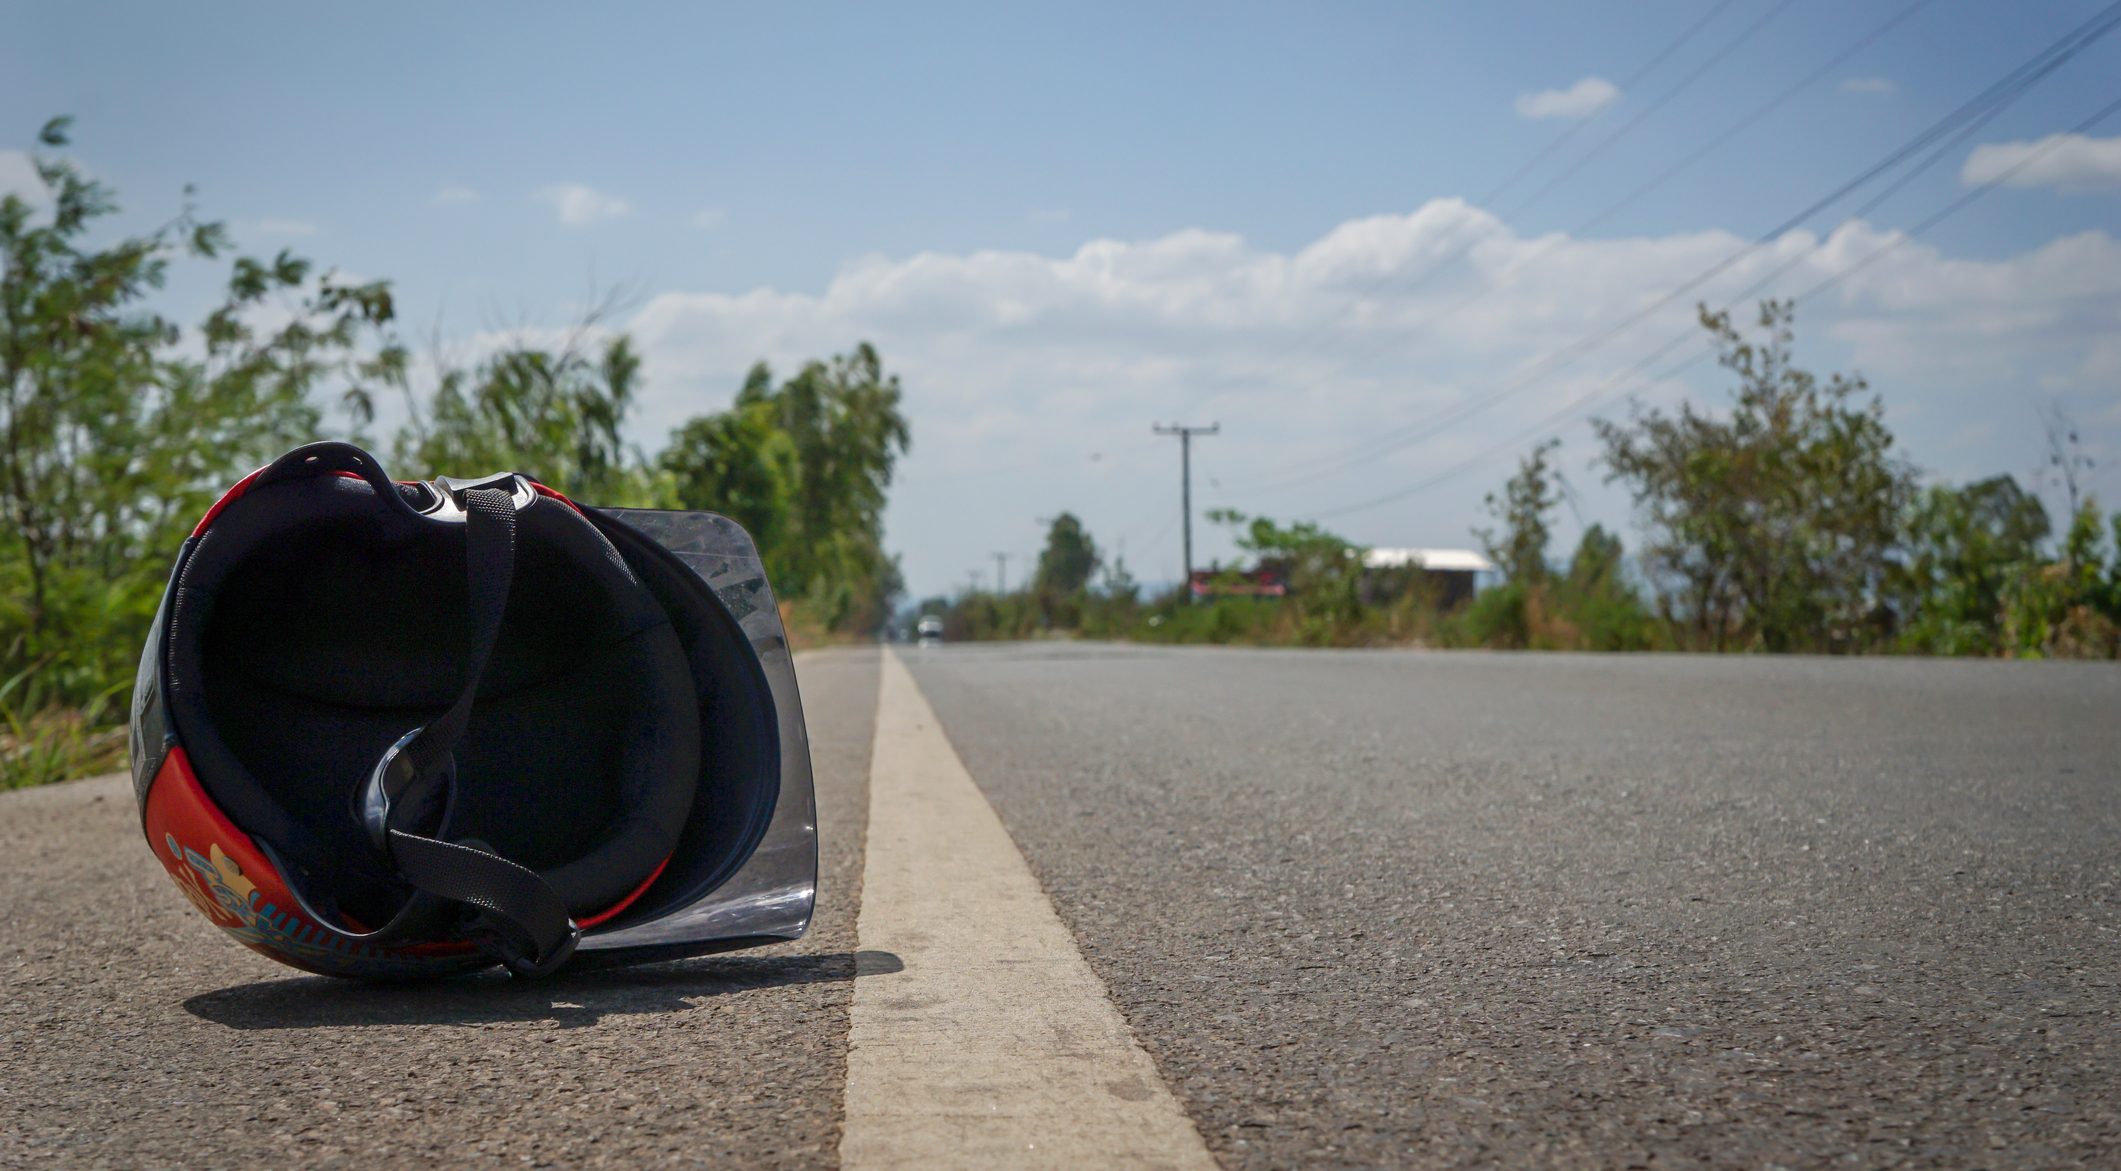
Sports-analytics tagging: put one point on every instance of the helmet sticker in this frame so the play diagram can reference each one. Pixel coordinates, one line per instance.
(224, 873)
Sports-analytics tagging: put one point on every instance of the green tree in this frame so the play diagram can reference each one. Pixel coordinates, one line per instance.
(2070, 607)
(810, 461)
(1598, 603)
(557, 415)
(1527, 500)
(1596, 564)
(1965, 549)
(740, 464)
(115, 435)
(1068, 560)
(1593, 607)
(1774, 525)
(844, 419)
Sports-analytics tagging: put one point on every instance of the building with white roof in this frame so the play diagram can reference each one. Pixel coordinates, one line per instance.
(1435, 560)
(1454, 573)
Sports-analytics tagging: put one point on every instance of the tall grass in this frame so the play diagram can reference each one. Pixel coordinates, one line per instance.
(42, 740)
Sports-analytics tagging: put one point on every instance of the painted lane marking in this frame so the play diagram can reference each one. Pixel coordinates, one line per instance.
(996, 1046)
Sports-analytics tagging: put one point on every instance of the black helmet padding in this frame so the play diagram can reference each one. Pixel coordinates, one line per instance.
(318, 621)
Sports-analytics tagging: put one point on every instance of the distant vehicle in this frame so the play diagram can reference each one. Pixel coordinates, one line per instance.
(930, 630)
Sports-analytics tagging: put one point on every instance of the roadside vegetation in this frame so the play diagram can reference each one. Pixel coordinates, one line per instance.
(119, 426)
(1785, 521)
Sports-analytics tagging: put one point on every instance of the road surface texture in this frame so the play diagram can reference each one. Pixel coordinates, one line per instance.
(1357, 908)
(1512, 910)
(134, 1037)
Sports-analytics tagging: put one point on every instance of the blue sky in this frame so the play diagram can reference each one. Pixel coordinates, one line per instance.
(1064, 224)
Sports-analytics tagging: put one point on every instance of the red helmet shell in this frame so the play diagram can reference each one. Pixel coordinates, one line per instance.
(229, 878)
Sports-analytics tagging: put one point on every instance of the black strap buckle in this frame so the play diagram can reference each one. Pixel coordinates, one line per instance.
(452, 490)
(524, 967)
(393, 775)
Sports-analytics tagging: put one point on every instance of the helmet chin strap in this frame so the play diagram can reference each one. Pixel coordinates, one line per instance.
(406, 803)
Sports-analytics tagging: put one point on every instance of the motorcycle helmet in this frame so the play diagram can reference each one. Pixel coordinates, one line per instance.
(393, 729)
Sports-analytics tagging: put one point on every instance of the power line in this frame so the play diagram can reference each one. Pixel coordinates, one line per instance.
(1532, 164)
(1746, 123)
(1308, 471)
(1630, 82)
(1979, 109)
(1952, 208)
(1625, 376)
(1660, 102)
(1666, 176)
(1714, 59)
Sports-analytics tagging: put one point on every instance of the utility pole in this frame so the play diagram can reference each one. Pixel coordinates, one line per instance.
(1185, 482)
(1001, 582)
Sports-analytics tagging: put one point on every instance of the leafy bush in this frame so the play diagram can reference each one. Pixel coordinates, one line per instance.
(2069, 607)
(1774, 524)
(1499, 618)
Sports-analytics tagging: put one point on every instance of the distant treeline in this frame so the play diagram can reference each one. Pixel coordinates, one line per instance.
(1785, 522)
(118, 427)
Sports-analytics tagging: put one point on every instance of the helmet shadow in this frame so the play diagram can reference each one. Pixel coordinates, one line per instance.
(572, 999)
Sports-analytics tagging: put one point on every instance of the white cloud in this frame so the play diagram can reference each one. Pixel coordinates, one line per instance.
(1020, 366)
(1581, 100)
(279, 227)
(708, 218)
(2070, 163)
(454, 196)
(1869, 85)
(577, 204)
(18, 176)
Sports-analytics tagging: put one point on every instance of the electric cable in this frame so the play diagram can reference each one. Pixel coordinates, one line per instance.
(1542, 155)
(1624, 377)
(1975, 111)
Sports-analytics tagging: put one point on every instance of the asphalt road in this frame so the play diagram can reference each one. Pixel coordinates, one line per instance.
(1359, 908)
(1471, 910)
(132, 1035)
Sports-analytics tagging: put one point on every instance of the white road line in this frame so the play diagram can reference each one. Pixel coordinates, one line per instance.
(996, 1046)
